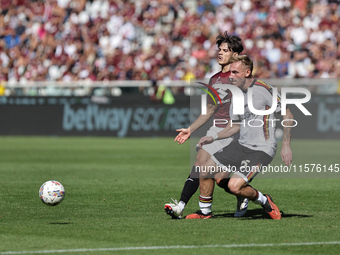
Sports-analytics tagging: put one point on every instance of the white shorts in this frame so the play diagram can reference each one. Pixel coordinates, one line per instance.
(217, 145)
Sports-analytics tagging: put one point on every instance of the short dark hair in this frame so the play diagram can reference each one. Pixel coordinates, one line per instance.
(244, 59)
(234, 42)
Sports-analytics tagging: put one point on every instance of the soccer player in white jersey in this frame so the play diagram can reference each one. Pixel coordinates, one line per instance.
(228, 45)
(255, 148)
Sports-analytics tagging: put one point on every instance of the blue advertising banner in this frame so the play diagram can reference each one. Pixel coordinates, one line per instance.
(133, 115)
(138, 116)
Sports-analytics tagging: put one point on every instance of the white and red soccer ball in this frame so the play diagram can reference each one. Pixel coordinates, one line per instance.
(52, 193)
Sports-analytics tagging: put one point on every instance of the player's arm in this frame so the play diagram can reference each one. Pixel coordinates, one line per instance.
(286, 151)
(184, 133)
(230, 130)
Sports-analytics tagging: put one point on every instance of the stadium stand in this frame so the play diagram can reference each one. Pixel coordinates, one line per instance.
(109, 40)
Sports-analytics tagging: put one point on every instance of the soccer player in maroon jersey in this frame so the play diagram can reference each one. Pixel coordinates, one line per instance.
(228, 46)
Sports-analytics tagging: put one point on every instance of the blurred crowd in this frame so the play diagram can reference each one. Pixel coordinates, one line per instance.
(69, 40)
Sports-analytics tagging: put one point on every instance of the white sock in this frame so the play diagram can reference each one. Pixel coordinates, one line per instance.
(205, 204)
(181, 205)
(261, 199)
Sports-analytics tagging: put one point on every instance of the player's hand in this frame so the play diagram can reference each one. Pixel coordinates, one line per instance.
(205, 140)
(286, 154)
(184, 134)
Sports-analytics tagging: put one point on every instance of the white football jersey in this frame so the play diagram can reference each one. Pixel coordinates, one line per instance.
(258, 131)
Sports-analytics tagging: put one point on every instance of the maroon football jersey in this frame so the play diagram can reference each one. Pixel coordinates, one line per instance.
(222, 110)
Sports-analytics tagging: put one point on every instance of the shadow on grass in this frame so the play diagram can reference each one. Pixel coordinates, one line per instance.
(260, 214)
(60, 223)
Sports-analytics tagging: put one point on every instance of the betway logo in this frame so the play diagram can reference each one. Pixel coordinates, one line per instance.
(93, 118)
(328, 119)
(122, 120)
(238, 100)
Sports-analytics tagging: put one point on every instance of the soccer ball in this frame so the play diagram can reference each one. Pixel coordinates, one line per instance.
(52, 193)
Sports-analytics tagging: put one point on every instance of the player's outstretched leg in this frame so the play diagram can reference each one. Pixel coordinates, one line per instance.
(175, 210)
(238, 187)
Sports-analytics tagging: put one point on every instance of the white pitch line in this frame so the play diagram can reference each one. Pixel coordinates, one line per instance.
(168, 247)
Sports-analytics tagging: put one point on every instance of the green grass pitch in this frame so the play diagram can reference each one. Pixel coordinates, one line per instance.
(116, 190)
